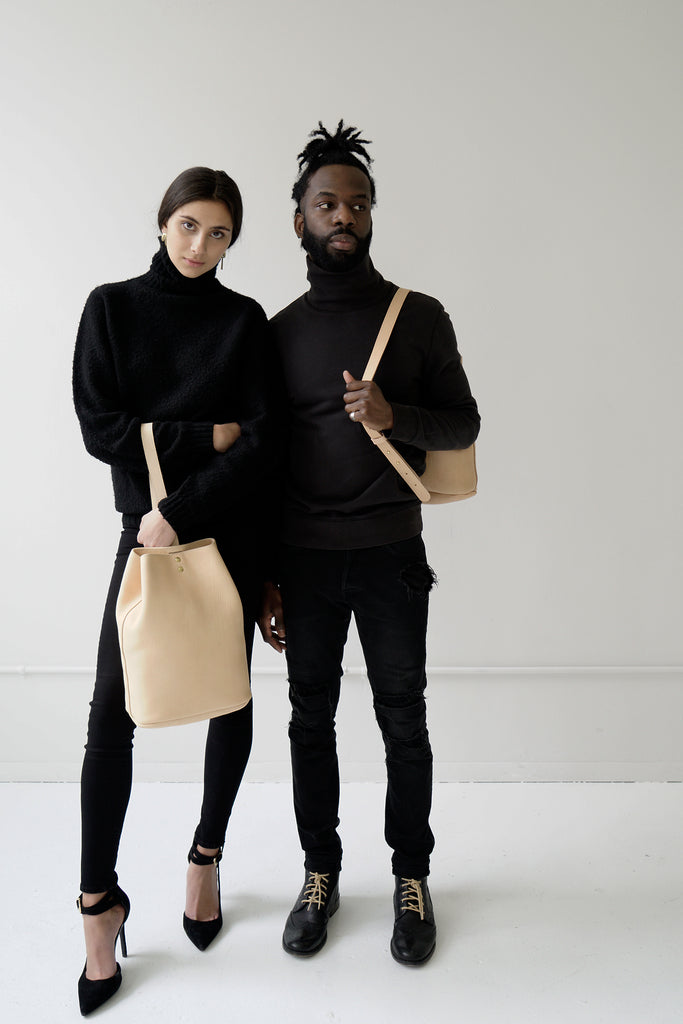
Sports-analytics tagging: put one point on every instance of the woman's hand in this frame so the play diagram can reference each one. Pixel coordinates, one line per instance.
(154, 531)
(271, 621)
(225, 435)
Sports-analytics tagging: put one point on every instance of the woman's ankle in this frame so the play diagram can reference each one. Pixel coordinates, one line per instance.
(89, 899)
(208, 851)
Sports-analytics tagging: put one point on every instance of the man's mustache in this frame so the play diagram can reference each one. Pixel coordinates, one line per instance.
(344, 231)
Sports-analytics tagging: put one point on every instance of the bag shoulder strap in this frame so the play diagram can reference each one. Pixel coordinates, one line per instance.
(376, 436)
(157, 487)
(385, 330)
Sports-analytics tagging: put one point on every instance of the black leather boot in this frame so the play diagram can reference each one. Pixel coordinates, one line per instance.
(414, 937)
(306, 928)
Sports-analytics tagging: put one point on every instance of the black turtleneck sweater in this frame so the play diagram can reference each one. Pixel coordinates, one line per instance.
(342, 492)
(184, 353)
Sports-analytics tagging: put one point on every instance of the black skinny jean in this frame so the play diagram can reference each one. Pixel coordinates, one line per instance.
(386, 589)
(107, 773)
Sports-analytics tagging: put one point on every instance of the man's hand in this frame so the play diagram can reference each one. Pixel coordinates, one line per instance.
(225, 435)
(155, 532)
(271, 621)
(365, 403)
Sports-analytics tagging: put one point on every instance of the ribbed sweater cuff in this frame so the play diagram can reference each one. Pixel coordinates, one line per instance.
(174, 511)
(406, 423)
(199, 437)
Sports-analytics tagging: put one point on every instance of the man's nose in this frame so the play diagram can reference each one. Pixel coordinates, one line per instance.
(344, 214)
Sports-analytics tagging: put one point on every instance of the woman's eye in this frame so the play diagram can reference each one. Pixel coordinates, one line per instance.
(188, 225)
(218, 234)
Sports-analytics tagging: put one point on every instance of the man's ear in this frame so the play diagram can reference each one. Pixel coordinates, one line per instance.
(299, 224)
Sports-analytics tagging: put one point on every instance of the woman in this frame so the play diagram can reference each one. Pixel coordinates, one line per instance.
(176, 348)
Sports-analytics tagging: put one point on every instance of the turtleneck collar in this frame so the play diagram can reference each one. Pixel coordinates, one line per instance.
(350, 289)
(167, 278)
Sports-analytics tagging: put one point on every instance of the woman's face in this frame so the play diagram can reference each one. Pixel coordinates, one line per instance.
(197, 235)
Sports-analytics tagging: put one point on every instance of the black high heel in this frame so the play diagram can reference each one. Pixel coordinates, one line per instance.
(202, 933)
(92, 994)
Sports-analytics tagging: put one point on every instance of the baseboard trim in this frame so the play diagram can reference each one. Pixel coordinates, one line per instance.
(604, 723)
(473, 773)
(432, 670)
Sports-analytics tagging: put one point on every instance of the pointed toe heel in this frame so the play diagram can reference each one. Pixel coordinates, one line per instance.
(202, 933)
(92, 994)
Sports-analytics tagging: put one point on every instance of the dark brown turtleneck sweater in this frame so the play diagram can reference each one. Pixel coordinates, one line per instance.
(342, 493)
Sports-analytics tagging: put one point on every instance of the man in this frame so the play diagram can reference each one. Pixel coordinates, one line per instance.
(351, 532)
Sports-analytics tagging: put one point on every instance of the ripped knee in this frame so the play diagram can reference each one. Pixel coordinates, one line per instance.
(402, 719)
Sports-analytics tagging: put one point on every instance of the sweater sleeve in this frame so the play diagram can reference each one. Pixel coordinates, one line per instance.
(213, 489)
(447, 416)
(110, 432)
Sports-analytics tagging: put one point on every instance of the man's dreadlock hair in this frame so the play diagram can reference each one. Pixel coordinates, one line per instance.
(344, 147)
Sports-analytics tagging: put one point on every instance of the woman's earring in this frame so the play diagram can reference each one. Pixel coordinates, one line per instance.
(163, 237)
(222, 258)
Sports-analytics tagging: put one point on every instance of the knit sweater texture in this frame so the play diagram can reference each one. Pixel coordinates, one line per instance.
(342, 493)
(183, 353)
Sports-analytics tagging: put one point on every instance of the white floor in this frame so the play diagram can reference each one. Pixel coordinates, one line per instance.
(556, 904)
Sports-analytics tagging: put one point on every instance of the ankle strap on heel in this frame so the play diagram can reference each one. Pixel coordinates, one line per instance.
(204, 859)
(115, 897)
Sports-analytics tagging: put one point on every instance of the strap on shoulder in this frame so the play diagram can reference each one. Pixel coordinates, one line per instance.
(376, 436)
(385, 332)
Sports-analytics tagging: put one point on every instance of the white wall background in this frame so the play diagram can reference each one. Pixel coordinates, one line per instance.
(528, 158)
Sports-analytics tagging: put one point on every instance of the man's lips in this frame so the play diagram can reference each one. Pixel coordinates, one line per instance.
(344, 242)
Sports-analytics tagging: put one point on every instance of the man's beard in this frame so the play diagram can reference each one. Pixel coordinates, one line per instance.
(335, 261)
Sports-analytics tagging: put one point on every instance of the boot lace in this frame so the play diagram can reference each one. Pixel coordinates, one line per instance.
(315, 891)
(411, 896)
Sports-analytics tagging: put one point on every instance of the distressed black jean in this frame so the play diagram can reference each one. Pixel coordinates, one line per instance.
(386, 589)
(106, 777)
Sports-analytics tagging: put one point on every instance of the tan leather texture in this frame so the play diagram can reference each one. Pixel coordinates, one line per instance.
(181, 633)
(449, 475)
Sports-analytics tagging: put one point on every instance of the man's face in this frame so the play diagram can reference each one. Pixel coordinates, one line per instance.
(335, 222)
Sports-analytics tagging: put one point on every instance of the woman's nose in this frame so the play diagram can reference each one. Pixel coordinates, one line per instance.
(198, 243)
